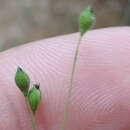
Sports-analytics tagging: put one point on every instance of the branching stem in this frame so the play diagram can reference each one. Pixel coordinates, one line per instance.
(32, 117)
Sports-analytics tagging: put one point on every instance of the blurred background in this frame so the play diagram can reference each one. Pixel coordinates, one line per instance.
(22, 21)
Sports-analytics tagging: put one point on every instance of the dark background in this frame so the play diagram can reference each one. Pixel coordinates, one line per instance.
(22, 21)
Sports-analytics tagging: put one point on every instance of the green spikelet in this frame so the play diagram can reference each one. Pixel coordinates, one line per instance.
(22, 80)
(86, 20)
(34, 97)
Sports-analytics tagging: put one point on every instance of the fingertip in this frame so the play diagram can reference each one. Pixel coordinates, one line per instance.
(102, 68)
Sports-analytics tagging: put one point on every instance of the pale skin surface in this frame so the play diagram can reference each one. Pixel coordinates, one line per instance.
(101, 97)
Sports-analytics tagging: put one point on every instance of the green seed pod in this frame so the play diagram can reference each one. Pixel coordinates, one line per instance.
(86, 20)
(34, 98)
(22, 81)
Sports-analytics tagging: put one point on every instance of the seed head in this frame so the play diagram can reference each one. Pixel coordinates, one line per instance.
(34, 97)
(22, 80)
(86, 20)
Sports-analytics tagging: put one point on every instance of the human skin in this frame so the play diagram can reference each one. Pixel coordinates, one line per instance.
(101, 93)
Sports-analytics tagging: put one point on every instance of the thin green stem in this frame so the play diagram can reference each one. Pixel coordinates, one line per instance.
(32, 117)
(68, 102)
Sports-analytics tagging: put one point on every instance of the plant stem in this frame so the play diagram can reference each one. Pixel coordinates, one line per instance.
(66, 113)
(32, 117)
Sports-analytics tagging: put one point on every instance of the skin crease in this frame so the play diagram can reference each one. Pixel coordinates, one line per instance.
(101, 94)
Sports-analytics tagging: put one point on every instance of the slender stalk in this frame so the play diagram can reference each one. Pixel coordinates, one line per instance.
(66, 113)
(32, 117)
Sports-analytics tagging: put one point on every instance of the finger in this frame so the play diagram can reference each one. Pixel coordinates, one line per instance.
(101, 88)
